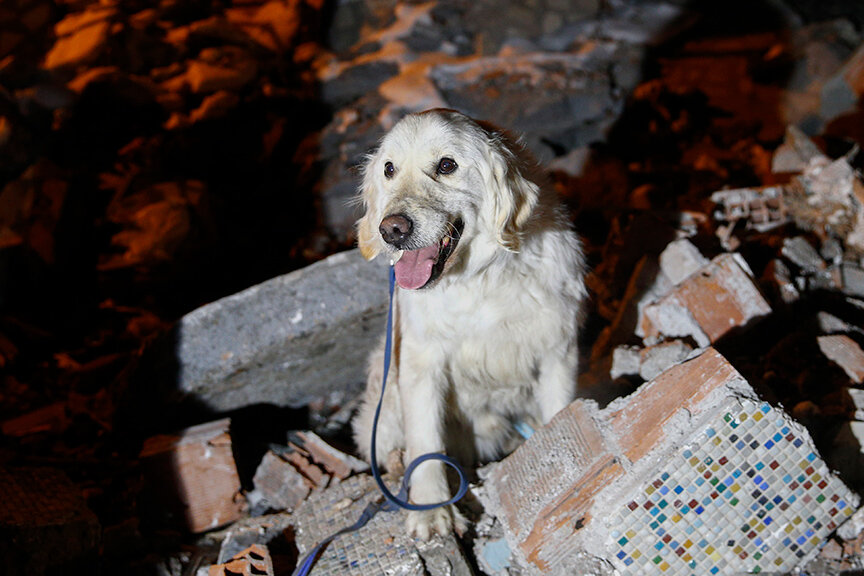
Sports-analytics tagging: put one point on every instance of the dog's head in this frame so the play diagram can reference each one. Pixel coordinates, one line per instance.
(439, 182)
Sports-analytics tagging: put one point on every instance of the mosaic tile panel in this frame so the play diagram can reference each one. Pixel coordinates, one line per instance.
(748, 494)
(381, 547)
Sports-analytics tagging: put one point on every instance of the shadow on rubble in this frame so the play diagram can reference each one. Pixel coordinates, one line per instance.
(687, 131)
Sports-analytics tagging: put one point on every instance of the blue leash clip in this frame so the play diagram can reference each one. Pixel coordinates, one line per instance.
(391, 501)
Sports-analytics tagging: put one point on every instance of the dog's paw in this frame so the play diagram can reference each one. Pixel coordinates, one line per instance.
(423, 524)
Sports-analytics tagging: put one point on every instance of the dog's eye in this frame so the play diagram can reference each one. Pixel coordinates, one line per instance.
(389, 170)
(447, 166)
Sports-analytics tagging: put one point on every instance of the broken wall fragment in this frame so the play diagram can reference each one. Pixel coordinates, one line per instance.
(193, 478)
(692, 473)
(707, 304)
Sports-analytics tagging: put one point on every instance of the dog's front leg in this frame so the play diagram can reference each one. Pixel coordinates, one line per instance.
(423, 393)
(557, 381)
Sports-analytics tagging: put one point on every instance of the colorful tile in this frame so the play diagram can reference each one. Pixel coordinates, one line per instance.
(752, 490)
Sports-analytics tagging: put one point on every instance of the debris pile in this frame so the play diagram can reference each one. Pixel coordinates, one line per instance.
(154, 159)
(691, 473)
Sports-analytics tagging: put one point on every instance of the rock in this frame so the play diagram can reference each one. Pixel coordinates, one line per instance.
(252, 561)
(287, 341)
(567, 99)
(655, 360)
(640, 487)
(81, 38)
(846, 353)
(626, 361)
(856, 395)
(801, 253)
(225, 68)
(796, 152)
(356, 81)
(274, 25)
(157, 222)
(680, 259)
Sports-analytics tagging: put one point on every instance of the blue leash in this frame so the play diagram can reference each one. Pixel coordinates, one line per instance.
(391, 502)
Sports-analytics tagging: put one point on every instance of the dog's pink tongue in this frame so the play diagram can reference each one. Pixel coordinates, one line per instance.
(415, 267)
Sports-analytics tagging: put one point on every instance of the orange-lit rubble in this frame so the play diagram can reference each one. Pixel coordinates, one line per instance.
(176, 225)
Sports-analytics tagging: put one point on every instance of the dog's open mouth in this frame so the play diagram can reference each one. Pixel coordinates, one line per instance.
(421, 267)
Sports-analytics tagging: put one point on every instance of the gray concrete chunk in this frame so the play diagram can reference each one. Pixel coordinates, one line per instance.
(286, 341)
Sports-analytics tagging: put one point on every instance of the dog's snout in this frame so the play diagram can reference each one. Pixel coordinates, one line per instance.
(395, 229)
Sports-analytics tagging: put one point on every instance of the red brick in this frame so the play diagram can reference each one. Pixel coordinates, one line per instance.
(638, 425)
(253, 561)
(721, 296)
(573, 437)
(192, 477)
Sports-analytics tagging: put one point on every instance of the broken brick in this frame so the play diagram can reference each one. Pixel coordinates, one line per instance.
(692, 473)
(193, 478)
(338, 464)
(253, 561)
(720, 297)
(846, 353)
(762, 209)
(278, 484)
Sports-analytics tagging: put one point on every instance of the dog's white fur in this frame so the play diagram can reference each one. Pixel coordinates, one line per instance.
(494, 339)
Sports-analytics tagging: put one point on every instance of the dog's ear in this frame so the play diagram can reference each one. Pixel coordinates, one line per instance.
(367, 225)
(514, 195)
(367, 237)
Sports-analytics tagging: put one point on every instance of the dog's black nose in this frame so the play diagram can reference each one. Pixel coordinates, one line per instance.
(395, 229)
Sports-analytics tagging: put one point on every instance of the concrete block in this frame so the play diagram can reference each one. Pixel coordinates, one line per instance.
(801, 253)
(680, 259)
(655, 360)
(720, 297)
(381, 547)
(252, 561)
(287, 341)
(192, 479)
(796, 152)
(44, 521)
(857, 397)
(846, 353)
(626, 361)
(691, 474)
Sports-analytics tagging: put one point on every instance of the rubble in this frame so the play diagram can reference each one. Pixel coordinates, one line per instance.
(287, 341)
(161, 157)
(252, 561)
(846, 353)
(44, 522)
(708, 304)
(698, 483)
(381, 547)
(278, 485)
(192, 477)
(285, 477)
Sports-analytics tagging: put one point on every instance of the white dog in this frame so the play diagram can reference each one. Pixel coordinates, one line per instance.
(490, 286)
